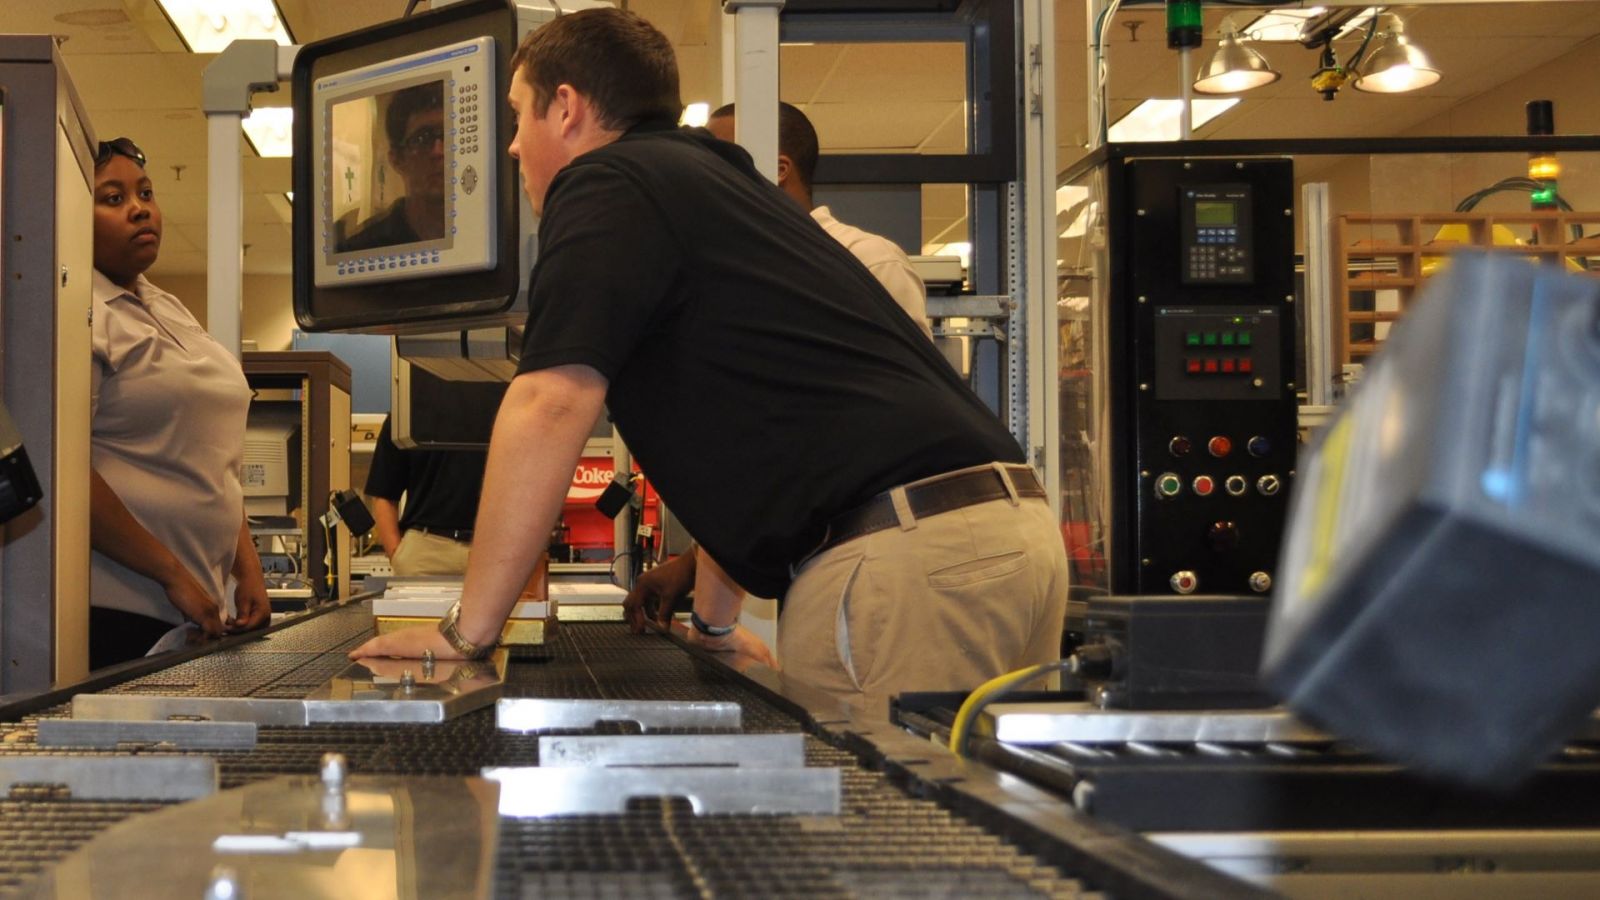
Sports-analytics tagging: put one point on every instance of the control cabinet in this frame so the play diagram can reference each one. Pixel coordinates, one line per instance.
(1200, 334)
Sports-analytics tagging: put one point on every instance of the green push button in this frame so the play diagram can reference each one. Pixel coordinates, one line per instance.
(1168, 485)
(1227, 339)
(1191, 339)
(1211, 339)
(1244, 338)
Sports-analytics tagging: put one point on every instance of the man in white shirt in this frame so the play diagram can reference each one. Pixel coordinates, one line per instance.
(797, 164)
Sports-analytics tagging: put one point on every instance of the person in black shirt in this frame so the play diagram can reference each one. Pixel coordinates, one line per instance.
(830, 456)
(441, 489)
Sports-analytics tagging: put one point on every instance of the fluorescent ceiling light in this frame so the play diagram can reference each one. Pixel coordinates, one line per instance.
(1157, 120)
(207, 26)
(1288, 25)
(1357, 27)
(696, 115)
(271, 130)
(963, 249)
(1281, 25)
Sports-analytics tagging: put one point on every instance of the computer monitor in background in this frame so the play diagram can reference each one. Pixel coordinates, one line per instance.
(271, 473)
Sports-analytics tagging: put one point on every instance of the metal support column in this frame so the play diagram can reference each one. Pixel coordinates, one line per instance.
(756, 79)
(46, 222)
(243, 68)
(1037, 243)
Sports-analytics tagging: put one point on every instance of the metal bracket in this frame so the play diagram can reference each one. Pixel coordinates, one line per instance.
(537, 713)
(242, 68)
(1050, 723)
(110, 734)
(757, 751)
(115, 777)
(146, 708)
(532, 793)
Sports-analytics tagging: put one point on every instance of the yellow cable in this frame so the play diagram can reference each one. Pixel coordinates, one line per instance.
(980, 695)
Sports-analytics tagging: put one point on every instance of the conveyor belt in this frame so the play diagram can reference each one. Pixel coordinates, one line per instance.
(1241, 786)
(885, 843)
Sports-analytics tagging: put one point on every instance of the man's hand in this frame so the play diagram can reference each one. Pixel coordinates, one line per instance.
(741, 642)
(252, 607)
(408, 643)
(189, 598)
(664, 585)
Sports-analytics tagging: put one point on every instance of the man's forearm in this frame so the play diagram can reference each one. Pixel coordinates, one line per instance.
(538, 436)
(386, 518)
(717, 598)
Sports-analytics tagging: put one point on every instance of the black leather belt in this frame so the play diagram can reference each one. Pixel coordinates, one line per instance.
(461, 535)
(930, 497)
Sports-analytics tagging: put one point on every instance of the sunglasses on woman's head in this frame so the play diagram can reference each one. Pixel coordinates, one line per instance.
(120, 146)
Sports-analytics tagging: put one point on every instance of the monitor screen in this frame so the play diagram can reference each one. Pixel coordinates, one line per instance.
(389, 176)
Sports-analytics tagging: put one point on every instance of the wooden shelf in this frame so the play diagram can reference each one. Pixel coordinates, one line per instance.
(1403, 241)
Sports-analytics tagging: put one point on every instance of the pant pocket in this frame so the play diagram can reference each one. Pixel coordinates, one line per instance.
(855, 667)
(973, 571)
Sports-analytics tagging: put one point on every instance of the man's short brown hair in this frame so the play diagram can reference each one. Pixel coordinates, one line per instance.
(612, 56)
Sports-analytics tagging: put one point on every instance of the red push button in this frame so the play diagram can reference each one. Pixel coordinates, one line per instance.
(1219, 446)
(1211, 366)
(1228, 366)
(1192, 365)
(1245, 365)
(1203, 485)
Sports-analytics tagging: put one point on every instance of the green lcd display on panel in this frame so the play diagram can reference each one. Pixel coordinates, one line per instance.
(1213, 212)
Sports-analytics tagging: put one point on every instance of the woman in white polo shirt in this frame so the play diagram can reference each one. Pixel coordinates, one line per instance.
(168, 403)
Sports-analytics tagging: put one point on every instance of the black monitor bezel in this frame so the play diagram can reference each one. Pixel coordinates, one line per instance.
(402, 306)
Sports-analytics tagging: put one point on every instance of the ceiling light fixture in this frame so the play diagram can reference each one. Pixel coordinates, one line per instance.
(208, 26)
(1157, 120)
(1397, 65)
(270, 130)
(1234, 67)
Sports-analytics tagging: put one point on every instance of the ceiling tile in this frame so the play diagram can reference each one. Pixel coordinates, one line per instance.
(908, 72)
(876, 126)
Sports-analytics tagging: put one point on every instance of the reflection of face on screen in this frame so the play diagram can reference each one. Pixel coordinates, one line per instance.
(411, 146)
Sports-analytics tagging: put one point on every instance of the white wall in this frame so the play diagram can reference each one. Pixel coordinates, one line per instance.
(268, 305)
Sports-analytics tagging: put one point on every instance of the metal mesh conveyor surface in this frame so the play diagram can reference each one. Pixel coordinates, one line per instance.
(885, 843)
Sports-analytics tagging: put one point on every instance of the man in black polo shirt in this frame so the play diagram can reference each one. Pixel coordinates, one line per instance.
(829, 456)
(440, 488)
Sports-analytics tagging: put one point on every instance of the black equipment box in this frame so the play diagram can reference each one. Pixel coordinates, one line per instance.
(1170, 652)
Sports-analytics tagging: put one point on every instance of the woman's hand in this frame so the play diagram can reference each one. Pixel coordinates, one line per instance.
(252, 606)
(188, 597)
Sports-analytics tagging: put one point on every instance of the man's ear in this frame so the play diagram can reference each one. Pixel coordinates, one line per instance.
(576, 112)
(785, 170)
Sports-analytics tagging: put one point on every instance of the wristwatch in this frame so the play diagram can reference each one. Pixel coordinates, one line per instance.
(467, 649)
(709, 630)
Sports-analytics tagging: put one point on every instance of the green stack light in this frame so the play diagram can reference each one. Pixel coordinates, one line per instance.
(1184, 25)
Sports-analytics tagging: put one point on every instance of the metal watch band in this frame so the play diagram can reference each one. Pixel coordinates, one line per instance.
(469, 650)
(709, 630)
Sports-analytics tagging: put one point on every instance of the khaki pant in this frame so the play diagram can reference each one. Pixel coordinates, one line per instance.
(421, 553)
(940, 604)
